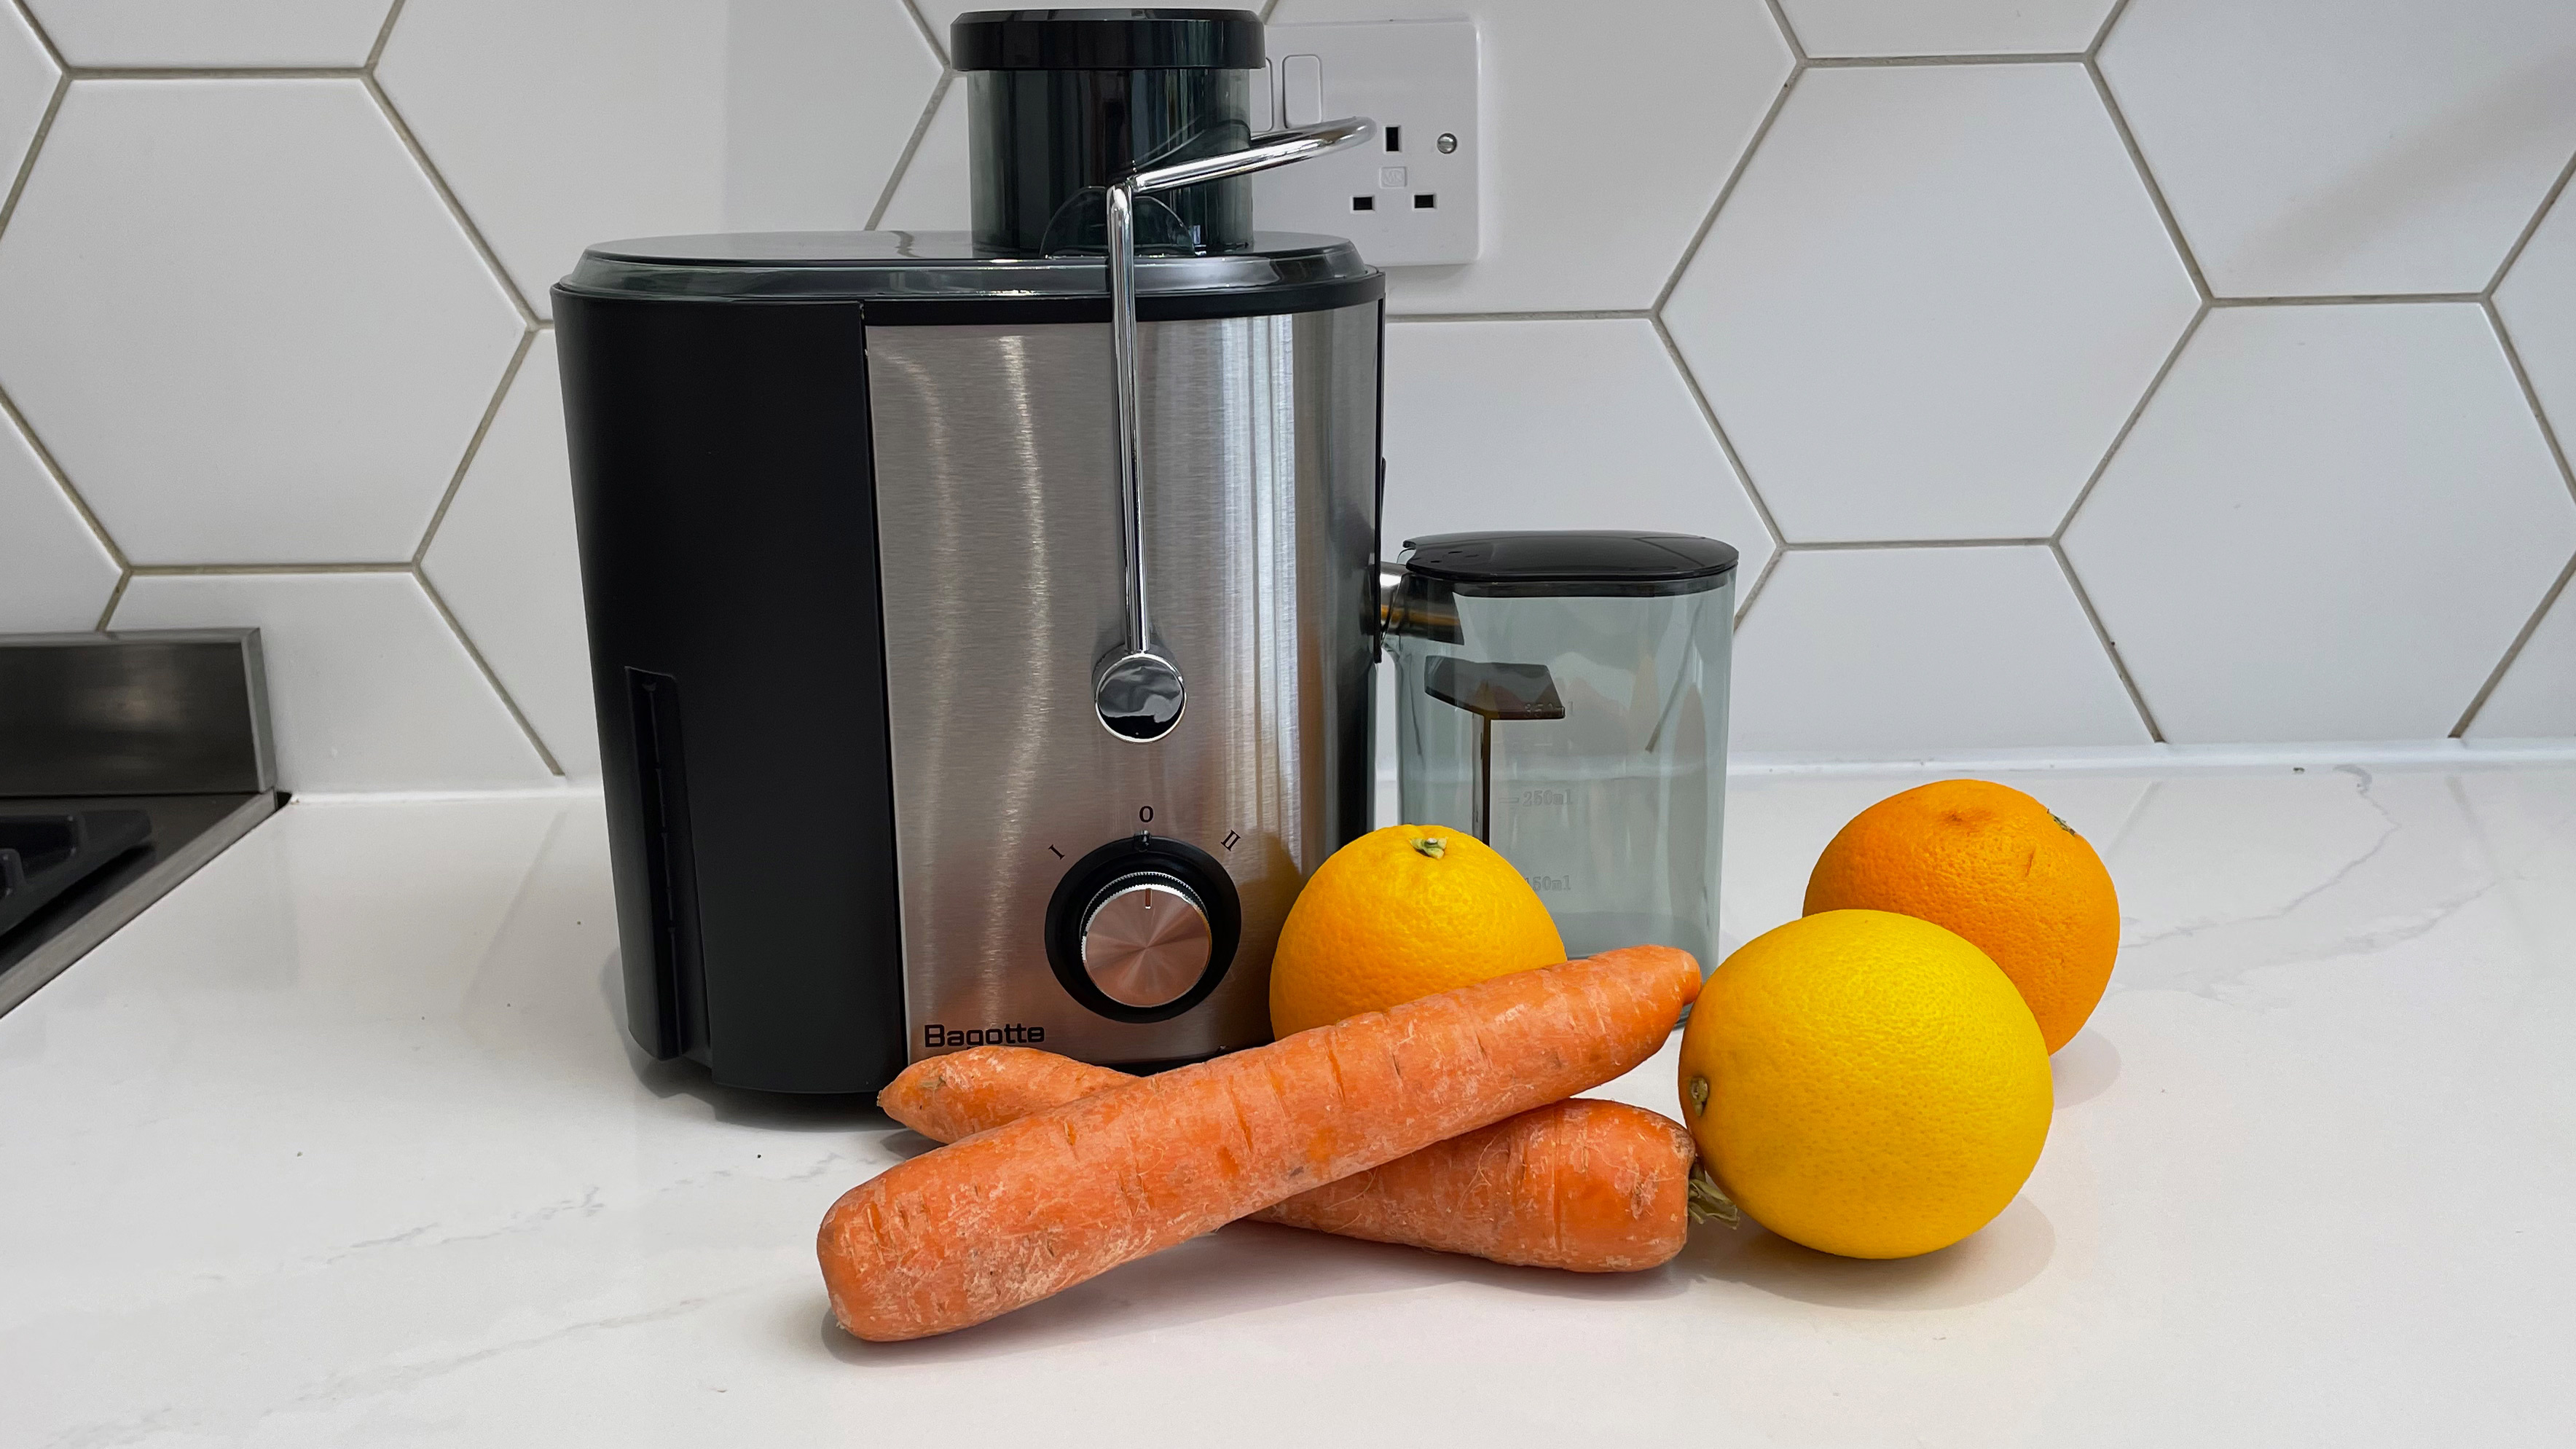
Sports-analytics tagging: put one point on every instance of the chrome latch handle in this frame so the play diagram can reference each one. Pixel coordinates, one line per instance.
(1139, 691)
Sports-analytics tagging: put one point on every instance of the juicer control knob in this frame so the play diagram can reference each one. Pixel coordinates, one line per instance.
(1145, 943)
(1143, 929)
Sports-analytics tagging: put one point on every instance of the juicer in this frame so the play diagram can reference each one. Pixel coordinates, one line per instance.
(981, 624)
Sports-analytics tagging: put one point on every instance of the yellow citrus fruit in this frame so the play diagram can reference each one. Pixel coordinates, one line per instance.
(1403, 913)
(1865, 1083)
(1992, 864)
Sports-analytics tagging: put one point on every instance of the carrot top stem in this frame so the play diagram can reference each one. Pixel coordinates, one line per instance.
(1709, 1201)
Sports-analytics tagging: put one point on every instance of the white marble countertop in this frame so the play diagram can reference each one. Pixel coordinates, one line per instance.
(341, 1144)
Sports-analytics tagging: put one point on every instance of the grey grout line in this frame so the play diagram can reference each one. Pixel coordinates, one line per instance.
(215, 72)
(2358, 299)
(1631, 314)
(474, 445)
(1734, 175)
(2513, 253)
(455, 207)
(36, 28)
(2147, 176)
(2129, 424)
(1672, 349)
(1877, 545)
(63, 480)
(2093, 52)
(226, 570)
(1788, 33)
(2110, 646)
(499, 690)
(115, 596)
(2530, 394)
(2566, 475)
(384, 32)
(35, 147)
(2513, 651)
(1918, 62)
(1726, 448)
(911, 147)
(1761, 581)
(938, 42)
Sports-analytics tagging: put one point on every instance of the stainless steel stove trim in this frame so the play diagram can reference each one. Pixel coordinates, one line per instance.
(135, 712)
(95, 925)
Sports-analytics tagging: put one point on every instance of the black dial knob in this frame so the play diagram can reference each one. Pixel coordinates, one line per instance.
(1143, 929)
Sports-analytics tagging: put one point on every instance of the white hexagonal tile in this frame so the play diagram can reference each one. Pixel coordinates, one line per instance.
(2538, 304)
(368, 688)
(1931, 301)
(27, 76)
(54, 573)
(212, 32)
(505, 560)
(1553, 424)
(559, 123)
(1608, 135)
(243, 322)
(1944, 27)
(932, 195)
(1902, 652)
(2328, 525)
(2348, 147)
(2537, 696)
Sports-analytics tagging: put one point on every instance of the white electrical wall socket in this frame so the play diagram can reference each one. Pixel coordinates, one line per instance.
(1407, 195)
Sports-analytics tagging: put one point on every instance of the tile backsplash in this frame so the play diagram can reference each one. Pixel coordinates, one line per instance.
(2071, 373)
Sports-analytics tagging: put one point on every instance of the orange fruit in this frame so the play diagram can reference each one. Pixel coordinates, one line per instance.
(1865, 1083)
(1989, 862)
(1403, 913)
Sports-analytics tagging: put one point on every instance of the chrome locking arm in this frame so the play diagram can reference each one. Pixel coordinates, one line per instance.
(1139, 691)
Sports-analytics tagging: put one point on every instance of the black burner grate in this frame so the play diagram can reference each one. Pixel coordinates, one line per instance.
(42, 856)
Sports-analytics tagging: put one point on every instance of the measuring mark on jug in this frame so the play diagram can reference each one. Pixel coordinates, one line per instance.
(1231, 837)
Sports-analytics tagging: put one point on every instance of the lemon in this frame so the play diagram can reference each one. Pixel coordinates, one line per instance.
(1865, 1083)
(1399, 914)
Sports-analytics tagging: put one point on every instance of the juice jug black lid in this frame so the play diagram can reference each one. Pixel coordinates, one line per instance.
(1533, 565)
(1106, 40)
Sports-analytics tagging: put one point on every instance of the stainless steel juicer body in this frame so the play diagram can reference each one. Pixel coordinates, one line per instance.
(1259, 490)
(853, 553)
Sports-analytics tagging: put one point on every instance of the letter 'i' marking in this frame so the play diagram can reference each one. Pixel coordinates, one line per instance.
(1231, 837)
(1058, 854)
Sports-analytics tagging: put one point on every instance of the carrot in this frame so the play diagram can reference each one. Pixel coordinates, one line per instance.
(1007, 1217)
(1591, 1187)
